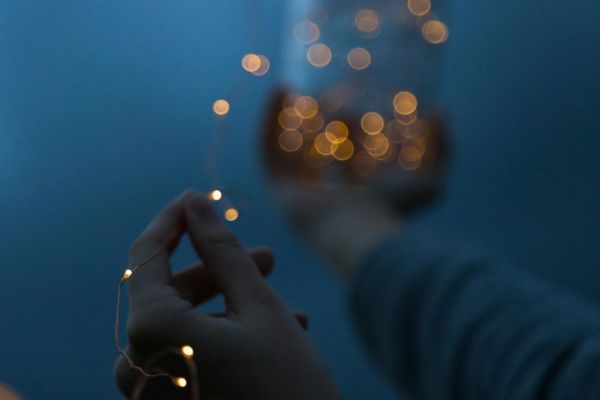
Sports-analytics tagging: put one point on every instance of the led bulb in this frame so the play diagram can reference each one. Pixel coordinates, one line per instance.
(187, 351)
(127, 274)
(181, 382)
(215, 195)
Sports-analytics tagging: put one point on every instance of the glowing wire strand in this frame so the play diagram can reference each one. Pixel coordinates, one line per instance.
(144, 371)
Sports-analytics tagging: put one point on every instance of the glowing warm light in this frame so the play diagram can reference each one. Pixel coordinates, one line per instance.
(264, 66)
(435, 32)
(306, 106)
(419, 7)
(289, 119)
(319, 55)
(290, 140)
(359, 58)
(187, 351)
(405, 103)
(181, 382)
(127, 274)
(314, 124)
(231, 214)
(344, 150)
(251, 62)
(372, 123)
(331, 100)
(413, 161)
(307, 32)
(363, 164)
(323, 146)
(215, 195)
(367, 21)
(377, 145)
(336, 132)
(221, 107)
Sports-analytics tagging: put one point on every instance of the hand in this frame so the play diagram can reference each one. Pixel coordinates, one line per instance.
(255, 349)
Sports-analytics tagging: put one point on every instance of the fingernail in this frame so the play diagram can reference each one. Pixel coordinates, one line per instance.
(202, 208)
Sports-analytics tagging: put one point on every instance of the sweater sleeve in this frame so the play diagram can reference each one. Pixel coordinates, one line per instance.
(450, 323)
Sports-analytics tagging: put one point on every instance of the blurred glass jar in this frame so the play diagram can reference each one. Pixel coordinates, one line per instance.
(358, 106)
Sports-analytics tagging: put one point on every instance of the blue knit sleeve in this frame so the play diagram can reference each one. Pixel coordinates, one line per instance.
(451, 323)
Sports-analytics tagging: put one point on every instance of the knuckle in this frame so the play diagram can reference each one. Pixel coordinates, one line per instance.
(142, 334)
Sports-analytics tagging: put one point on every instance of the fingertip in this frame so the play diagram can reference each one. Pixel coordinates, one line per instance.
(198, 206)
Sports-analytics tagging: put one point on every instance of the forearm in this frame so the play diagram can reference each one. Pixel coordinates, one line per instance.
(454, 324)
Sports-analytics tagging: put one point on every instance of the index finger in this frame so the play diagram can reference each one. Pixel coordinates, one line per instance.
(149, 254)
(230, 265)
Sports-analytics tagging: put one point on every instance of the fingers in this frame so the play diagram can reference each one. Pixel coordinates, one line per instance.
(232, 268)
(196, 284)
(155, 243)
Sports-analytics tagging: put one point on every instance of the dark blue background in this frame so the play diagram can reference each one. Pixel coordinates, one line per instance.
(105, 112)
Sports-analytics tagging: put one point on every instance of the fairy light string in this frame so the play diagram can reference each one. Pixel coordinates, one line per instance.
(308, 126)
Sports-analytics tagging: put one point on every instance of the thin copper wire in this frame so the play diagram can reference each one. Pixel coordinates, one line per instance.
(193, 378)
(120, 349)
(193, 374)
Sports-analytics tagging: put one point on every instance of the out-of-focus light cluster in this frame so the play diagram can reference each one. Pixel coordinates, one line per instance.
(311, 126)
(367, 23)
(305, 130)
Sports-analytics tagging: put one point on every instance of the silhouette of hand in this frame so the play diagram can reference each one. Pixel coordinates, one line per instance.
(255, 349)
